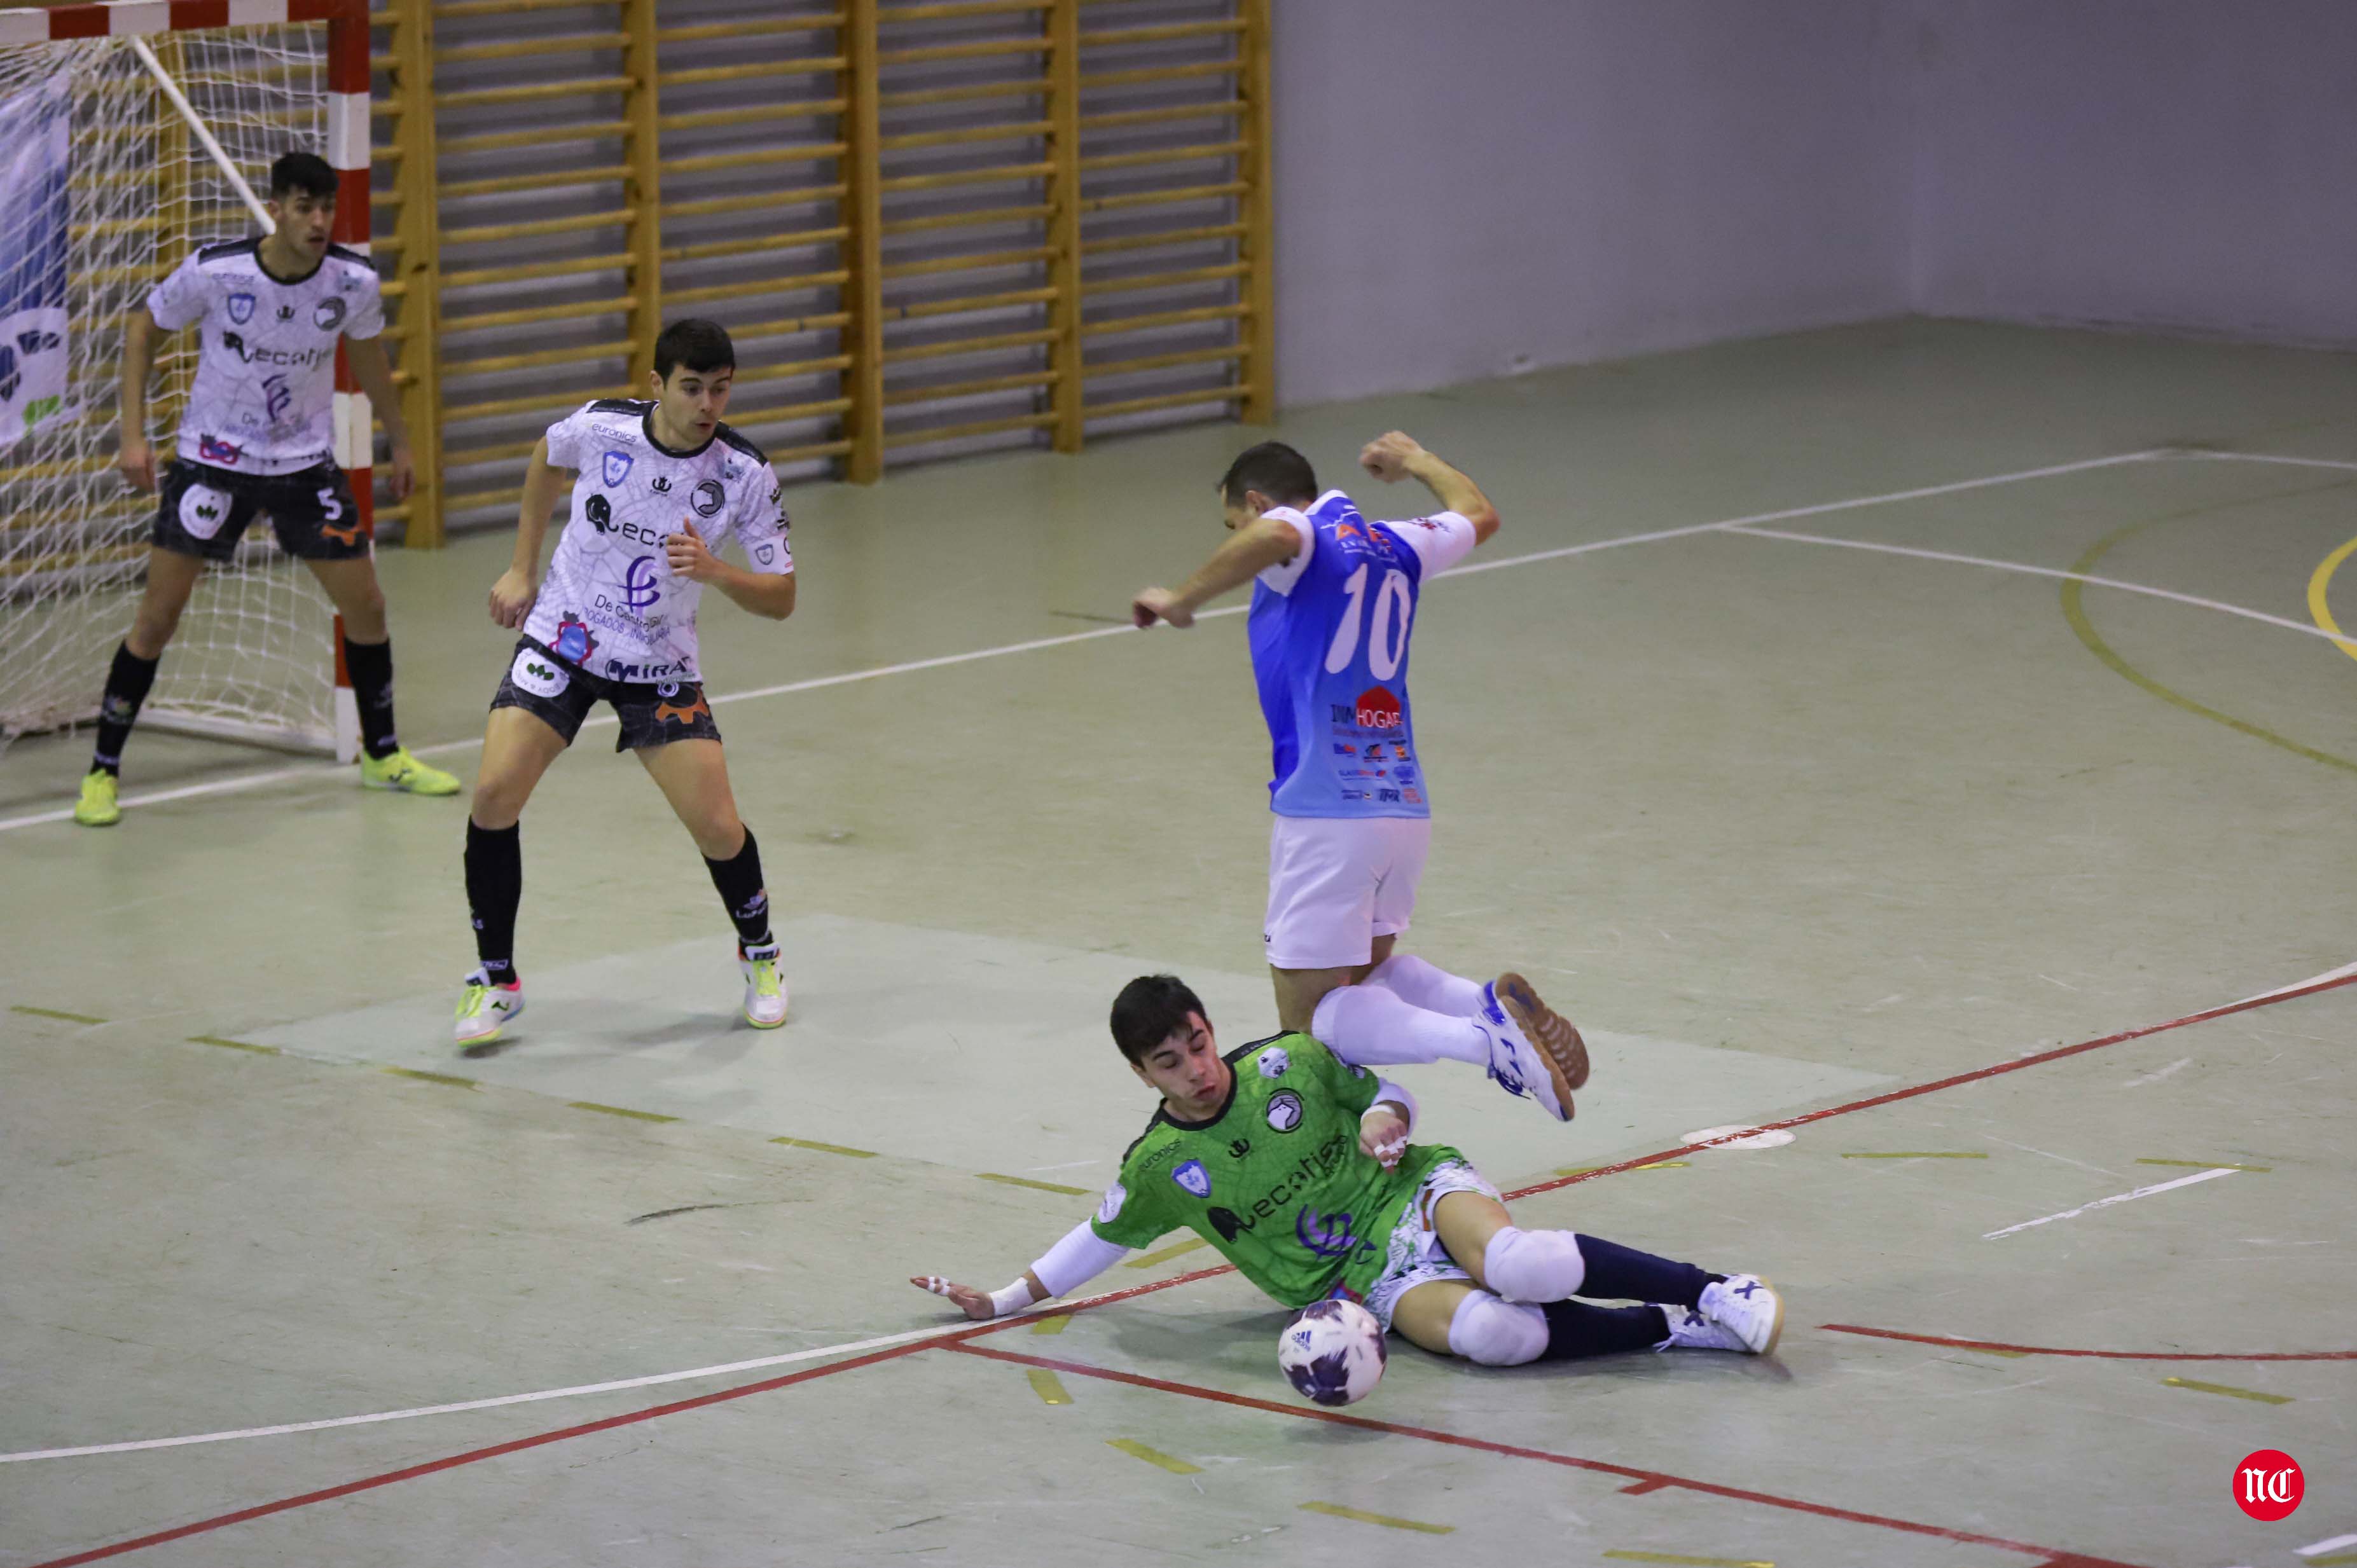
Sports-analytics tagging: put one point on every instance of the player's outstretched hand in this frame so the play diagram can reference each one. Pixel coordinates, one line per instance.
(138, 462)
(511, 597)
(687, 555)
(974, 1304)
(1388, 456)
(1159, 604)
(1382, 1136)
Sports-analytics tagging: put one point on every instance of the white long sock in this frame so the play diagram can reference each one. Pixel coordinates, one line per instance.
(1427, 985)
(1372, 1027)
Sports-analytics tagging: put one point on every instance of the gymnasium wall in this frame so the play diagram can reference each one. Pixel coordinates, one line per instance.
(1464, 191)
(1468, 191)
(2165, 166)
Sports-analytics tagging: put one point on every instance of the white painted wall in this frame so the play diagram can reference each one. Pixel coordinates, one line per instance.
(1470, 188)
(2179, 166)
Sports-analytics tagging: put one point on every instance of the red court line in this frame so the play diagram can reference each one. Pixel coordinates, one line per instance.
(956, 1337)
(2017, 1065)
(432, 1466)
(2096, 1354)
(1647, 1480)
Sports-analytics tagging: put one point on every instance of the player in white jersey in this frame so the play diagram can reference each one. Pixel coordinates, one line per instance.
(661, 485)
(258, 437)
(1333, 611)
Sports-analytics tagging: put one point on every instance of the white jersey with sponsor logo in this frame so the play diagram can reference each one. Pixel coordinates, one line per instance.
(264, 401)
(611, 605)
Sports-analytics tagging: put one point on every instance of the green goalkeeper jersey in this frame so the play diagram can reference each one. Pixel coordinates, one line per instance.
(1277, 1181)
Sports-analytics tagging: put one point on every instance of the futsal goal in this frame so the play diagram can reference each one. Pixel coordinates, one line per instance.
(130, 134)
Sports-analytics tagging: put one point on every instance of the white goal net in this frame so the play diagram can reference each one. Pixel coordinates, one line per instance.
(103, 189)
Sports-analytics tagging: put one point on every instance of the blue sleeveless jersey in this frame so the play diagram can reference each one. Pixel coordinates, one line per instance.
(1331, 659)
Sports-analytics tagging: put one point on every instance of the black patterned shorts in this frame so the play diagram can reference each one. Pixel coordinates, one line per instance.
(205, 510)
(560, 696)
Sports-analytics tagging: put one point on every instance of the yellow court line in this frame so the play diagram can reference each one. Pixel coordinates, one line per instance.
(618, 1110)
(232, 1044)
(1695, 1561)
(1049, 1386)
(2345, 1557)
(2319, 586)
(1055, 1325)
(2207, 1165)
(53, 1012)
(1363, 1517)
(1166, 1254)
(2074, 611)
(2230, 1392)
(1137, 1450)
(421, 1076)
(826, 1148)
(1042, 1186)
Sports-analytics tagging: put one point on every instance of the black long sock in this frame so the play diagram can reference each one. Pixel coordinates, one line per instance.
(494, 889)
(127, 683)
(1622, 1274)
(1577, 1329)
(370, 664)
(738, 879)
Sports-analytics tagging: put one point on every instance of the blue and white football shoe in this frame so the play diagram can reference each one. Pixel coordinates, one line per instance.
(1748, 1307)
(1534, 1053)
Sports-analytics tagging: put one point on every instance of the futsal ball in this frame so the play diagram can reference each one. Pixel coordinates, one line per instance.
(1333, 1353)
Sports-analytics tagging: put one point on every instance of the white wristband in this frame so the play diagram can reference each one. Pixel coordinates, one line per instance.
(1010, 1299)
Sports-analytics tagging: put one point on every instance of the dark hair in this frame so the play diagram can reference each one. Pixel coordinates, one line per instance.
(1149, 1010)
(1273, 468)
(700, 345)
(305, 172)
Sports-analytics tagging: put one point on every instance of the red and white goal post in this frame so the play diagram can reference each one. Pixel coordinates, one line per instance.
(154, 171)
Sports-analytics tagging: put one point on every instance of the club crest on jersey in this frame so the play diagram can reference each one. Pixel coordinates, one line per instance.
(1109, 1208)
(1192, 1177)
(640, 589)
(1274, 1062)
(240, 308)
(765, 555)
(328, 314)
(1285, 1111)
(618, 467)
(574, 641)
(709, 498)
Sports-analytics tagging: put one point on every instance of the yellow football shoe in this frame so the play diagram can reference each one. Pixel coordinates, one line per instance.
(96, 808)
(397, 769)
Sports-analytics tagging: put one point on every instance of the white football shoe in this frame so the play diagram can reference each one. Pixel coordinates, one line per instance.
(1516, 1064)
(765, 988)
(1748, 1308)
(485, 1009)
(1690, 1331)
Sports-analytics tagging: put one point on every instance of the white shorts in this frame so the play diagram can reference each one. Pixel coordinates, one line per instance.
(1415, 1255)
(1335, 884)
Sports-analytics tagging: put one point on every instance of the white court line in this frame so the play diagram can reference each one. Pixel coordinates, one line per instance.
(2107, 1202)
(651, 1380)
(2313, 980)
(325, 771)
(2027, 570)
(2321, 1547)
(2272, 457)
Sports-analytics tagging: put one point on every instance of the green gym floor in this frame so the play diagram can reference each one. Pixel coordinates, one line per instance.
(1789, 826)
